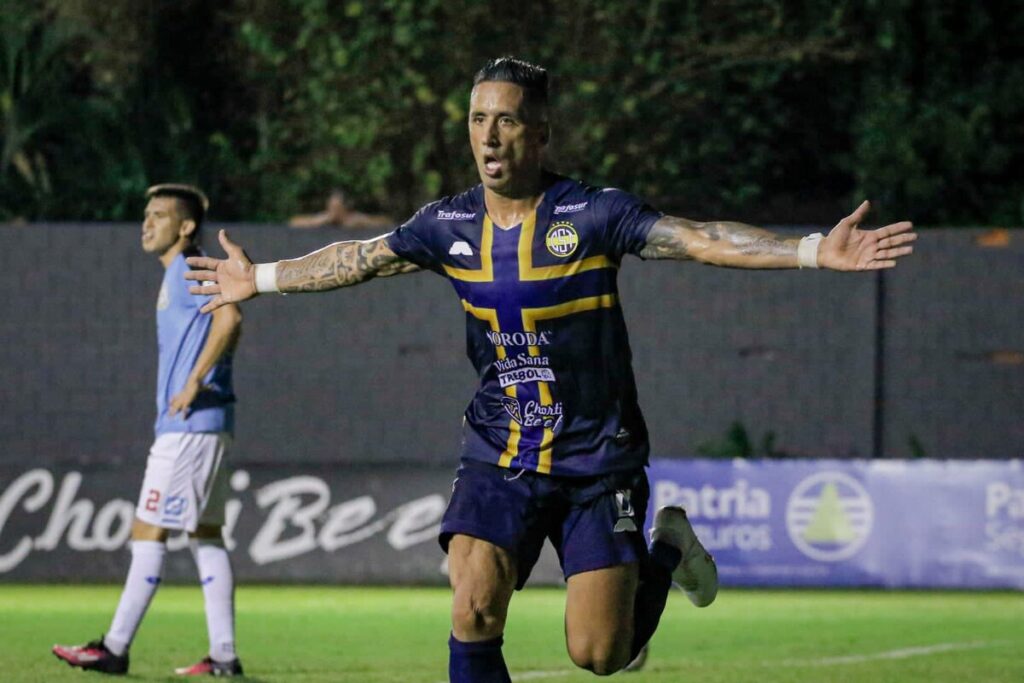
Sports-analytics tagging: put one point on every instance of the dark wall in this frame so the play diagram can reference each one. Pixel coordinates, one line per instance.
(378, 374)
(954, 349)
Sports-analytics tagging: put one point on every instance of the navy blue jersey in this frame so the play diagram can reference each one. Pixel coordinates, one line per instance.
(544, 329)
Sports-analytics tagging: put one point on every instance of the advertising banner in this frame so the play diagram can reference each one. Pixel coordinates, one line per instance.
(897, 524)
(907, 524)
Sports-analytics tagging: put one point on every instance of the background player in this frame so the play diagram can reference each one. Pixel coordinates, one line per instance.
(554, 444)
(185, 484)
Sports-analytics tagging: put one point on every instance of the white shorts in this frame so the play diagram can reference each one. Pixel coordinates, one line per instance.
(186, 482)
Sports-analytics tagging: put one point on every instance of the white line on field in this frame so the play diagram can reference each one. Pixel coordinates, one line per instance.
(902, 653)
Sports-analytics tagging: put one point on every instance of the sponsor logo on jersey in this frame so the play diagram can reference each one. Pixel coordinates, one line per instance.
(443, 215)
(460, 248)
(524, 375)
(533, 414)
(570, 208)
(511, 406)
(519, 338)
(562, 239)
(522, 360)
(523, 368)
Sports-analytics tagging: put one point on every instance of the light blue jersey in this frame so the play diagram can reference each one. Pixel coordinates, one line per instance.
(181, 334)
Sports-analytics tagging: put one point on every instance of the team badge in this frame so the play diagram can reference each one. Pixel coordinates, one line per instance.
(562, 239)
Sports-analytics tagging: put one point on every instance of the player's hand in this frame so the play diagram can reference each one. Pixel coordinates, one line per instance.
(847, 247)
(230, 280)
(181, 401)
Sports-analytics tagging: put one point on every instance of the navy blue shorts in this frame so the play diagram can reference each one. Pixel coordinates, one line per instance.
(593, 522)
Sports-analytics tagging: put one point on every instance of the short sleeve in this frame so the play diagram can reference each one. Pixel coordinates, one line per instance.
(629, 219)
(183, 296)
(412, 240)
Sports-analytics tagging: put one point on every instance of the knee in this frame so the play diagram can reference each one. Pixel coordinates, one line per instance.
(477, 617)
(601, 658)
(143, 531)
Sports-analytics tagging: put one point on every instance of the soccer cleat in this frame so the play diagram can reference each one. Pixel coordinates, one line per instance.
(93, 656)
(208, 666)
(696, 574)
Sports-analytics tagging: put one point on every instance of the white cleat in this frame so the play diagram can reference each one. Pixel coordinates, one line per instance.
(696, 574)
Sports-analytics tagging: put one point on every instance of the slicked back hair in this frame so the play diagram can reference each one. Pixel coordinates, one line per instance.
(192, 202)
(533, 79)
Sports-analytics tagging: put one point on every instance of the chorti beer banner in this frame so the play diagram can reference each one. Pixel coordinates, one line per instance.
(907, 524)
(768, 523)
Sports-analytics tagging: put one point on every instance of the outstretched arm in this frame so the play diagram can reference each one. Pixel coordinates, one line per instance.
(743, 246)
(341, 264)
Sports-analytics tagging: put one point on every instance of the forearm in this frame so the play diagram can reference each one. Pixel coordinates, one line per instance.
(341, 264)
(720, 243)
(225, 329)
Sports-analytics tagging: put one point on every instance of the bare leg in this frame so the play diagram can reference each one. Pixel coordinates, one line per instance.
(483, 577)
(599, 618)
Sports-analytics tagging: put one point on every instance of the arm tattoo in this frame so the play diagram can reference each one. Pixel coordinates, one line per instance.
(667, 240)
(341, 264)
(721, 242)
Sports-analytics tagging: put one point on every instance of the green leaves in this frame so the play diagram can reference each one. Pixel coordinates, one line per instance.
(768, 112)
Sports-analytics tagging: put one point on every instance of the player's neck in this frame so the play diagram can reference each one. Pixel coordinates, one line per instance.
(172, 252)
(510, 209)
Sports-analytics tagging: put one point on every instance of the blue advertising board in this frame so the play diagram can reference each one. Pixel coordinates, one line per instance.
(907, 524)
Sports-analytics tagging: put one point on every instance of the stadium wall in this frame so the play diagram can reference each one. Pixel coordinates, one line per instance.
(924, 360)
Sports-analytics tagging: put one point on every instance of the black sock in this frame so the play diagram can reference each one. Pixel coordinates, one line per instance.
(655, 582)
(478, 662)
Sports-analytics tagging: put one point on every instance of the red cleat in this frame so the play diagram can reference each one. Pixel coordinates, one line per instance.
(210, 667)
(93, 656)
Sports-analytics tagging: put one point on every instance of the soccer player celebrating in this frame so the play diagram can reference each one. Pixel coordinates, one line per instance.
(554, 445)
(185, 484)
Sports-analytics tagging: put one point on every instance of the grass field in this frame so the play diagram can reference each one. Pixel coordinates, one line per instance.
(371, 635)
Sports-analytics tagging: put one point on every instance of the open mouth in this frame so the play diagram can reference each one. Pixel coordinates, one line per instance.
(492, 165)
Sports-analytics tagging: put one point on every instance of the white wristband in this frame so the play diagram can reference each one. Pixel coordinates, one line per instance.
(807, 251)
(266, 278)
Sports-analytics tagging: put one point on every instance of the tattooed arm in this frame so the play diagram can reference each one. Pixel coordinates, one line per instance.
(341, 264)
(736, 245)
(719, 243)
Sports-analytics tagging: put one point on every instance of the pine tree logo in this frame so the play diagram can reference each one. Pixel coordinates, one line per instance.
(829, 516)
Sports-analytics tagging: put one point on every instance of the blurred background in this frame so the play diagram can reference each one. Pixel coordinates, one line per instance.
(773, 112)
(777, 113)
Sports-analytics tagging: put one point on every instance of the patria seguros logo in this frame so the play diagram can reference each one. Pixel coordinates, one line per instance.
(829, 516)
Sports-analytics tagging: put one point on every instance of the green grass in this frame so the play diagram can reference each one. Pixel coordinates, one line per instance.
(371, 635)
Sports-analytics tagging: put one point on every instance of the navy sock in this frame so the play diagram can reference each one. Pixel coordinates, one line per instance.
(655, 582)
(479, 662)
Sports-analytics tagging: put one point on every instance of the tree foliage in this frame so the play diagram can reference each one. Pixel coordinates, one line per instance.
(764, 111)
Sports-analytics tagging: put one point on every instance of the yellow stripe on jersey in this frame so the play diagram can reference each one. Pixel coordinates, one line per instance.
(527, 272)
(530, 318)
(490, 316)
(486, 271)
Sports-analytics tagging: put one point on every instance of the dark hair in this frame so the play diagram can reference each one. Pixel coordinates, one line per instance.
(192, 202)
(531, 78)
